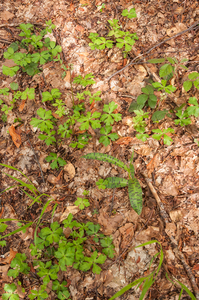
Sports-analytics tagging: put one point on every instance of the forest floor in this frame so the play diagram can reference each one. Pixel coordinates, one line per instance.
(169, 171)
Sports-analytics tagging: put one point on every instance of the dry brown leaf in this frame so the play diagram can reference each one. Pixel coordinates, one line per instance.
(110, 224)
(124, 140)
(15, 136)
(21, 107)
(69, 172)
(70, 209)
(9, 258)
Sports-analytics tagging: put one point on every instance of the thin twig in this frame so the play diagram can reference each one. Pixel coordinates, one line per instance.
(35, 155)
(179, 254)
(140, 55)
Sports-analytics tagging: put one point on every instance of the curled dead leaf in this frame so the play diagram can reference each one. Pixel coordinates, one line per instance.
(15, 136)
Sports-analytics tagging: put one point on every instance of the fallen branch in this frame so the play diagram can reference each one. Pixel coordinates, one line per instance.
(178, 254)
(144, 54)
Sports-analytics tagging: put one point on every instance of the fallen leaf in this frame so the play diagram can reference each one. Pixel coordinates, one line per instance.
(21, 107)
(69, 172)
(124, 140)
(9, 258)
(79, 28)
(70, 209)
(15, 136)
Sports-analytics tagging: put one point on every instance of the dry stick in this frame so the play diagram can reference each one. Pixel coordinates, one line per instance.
(35, 155)
(140, 55)
(179, 254)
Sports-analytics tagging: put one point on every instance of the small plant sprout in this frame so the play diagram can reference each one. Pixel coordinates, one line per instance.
(138, 122)
(110, 117)
(193, 80)
(163, 133)
(164, 87)
(129, 14)
(55, 160)
(82, 202)
(107, 136)
(87, 80)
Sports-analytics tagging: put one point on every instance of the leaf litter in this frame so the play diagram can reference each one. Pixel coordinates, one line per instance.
(173, 169)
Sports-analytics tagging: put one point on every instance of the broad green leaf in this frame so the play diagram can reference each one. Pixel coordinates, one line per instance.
(135, 106)
(165, 70)
(171, 60)
(135, 195)
(156, 60)
(158, 115)
(187, 85)
(141, 99)
(115, 182)
(193, 75)
(106, 158)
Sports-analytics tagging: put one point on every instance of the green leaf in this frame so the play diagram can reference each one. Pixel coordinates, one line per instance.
(171, 60)
(141, 99)
(159, 115)
(165, 70)
(135, 195)
(106, 158)
(115, 182)
(156, 60)
(14, 86)
(135, 106)
(3, 227)
(193, 75)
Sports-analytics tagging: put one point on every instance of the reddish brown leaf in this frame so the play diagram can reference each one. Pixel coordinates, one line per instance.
(15, 136)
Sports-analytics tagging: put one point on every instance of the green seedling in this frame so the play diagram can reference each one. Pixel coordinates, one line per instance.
(193, 110)
(107, 136)
(110, 117)
(64, 130)
(90, 120)
(87, 80)
(129, 14)
(183, 117)
(14, 86)
(49, 138)
(10, 292)
(138, 122)
(55, 161)
(194, 80)
(92, 262)
(82, 141)
(164, 87)
(45, 123)
(18, 265)
(148, 95)
(50, 96)
(82, 203)
(163, 133)
(134, 188)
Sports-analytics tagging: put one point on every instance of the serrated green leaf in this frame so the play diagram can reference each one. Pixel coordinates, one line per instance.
(165, 70)
(171, 60)
(106, 158)
(115, 182)
(187, 85)
(135, 195)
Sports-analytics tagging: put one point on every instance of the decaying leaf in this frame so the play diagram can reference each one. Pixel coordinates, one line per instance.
(15, 136)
